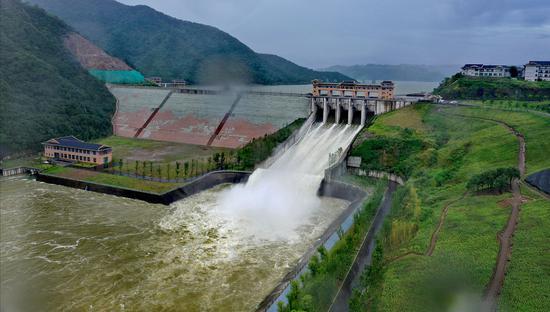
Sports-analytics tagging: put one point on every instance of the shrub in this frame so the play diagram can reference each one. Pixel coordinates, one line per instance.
(498, 179)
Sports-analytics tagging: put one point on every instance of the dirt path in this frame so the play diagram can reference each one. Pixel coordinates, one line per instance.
(505, 236)
(435, 234)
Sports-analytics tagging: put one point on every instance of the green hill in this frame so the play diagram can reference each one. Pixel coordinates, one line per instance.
(45, 91)
(402, 72)
(159, 45)
(480, 88)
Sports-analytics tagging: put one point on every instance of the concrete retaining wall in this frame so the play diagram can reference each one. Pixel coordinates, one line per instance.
(16, 171)
(377, 174)
(202, 183)
(340, 190)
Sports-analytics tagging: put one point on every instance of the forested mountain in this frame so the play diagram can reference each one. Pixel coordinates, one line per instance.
(44, 91)
(159, 45)
(403, 72)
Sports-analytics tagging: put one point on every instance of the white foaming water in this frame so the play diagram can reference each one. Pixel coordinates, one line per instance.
(276, 201)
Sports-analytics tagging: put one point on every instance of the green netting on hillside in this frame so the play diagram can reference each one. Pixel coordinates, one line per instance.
(118, 76)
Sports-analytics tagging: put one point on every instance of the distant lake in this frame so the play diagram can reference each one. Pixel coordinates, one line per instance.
(401, 87)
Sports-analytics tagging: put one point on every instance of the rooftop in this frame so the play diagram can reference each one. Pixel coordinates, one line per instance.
(71, 141)
(543, 63)
(482, 66)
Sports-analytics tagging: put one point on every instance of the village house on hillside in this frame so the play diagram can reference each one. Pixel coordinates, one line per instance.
(482, 70)
(537, 70)
(72, 149)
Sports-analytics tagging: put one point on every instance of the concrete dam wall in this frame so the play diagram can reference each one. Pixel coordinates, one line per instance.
(224, 119)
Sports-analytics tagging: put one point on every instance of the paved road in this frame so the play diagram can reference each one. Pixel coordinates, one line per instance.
(341, 302)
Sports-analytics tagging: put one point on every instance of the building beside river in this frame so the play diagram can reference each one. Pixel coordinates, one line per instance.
(72, 149)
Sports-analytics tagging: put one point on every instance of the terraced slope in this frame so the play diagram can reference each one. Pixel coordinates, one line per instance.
(189, 118)
(194, 118)
(135, 105)
(256, 115)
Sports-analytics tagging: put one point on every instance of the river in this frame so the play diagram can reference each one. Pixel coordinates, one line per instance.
(71, 250)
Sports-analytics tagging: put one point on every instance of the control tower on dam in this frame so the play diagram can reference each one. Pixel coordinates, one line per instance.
(350, 102)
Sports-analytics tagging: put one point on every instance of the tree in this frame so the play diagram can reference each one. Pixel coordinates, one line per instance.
(514, 72)
(217, 160)
(177, 170)
(159, 171)
(186, 169)
(120, 164)
(209, 163)
(136, 168)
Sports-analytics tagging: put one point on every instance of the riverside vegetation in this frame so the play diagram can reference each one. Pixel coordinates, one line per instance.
(326, 270)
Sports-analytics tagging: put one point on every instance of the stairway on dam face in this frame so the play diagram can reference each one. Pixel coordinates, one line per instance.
(219, 119)
(134, 107)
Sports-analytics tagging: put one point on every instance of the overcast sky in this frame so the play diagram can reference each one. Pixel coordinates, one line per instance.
(322, 33)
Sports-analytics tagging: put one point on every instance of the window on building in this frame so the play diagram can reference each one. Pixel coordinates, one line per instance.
(94, 160)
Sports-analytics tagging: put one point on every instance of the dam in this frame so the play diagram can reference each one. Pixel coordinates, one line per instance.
(233, 117)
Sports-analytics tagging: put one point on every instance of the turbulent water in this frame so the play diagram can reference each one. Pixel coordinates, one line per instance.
(276, 201)
(221, 250)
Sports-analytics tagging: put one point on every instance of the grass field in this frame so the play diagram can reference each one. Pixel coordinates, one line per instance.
(535, 128)
(157, 151)
(111, 179)
(543, 106)
(455, 148)
(526, 287)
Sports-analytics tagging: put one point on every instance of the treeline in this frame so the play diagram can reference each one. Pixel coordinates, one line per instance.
(498, 180)
(484, 88)
(45, 92)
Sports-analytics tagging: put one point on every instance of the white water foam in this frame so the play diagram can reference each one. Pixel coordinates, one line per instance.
(276, 201)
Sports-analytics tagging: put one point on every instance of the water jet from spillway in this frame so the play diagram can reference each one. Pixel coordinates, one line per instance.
(276, 201)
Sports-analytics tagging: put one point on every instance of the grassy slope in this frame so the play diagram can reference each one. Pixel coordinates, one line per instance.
(526, 287)
(535, 128)
(45, 92)
(467, 242)
(543, 106)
